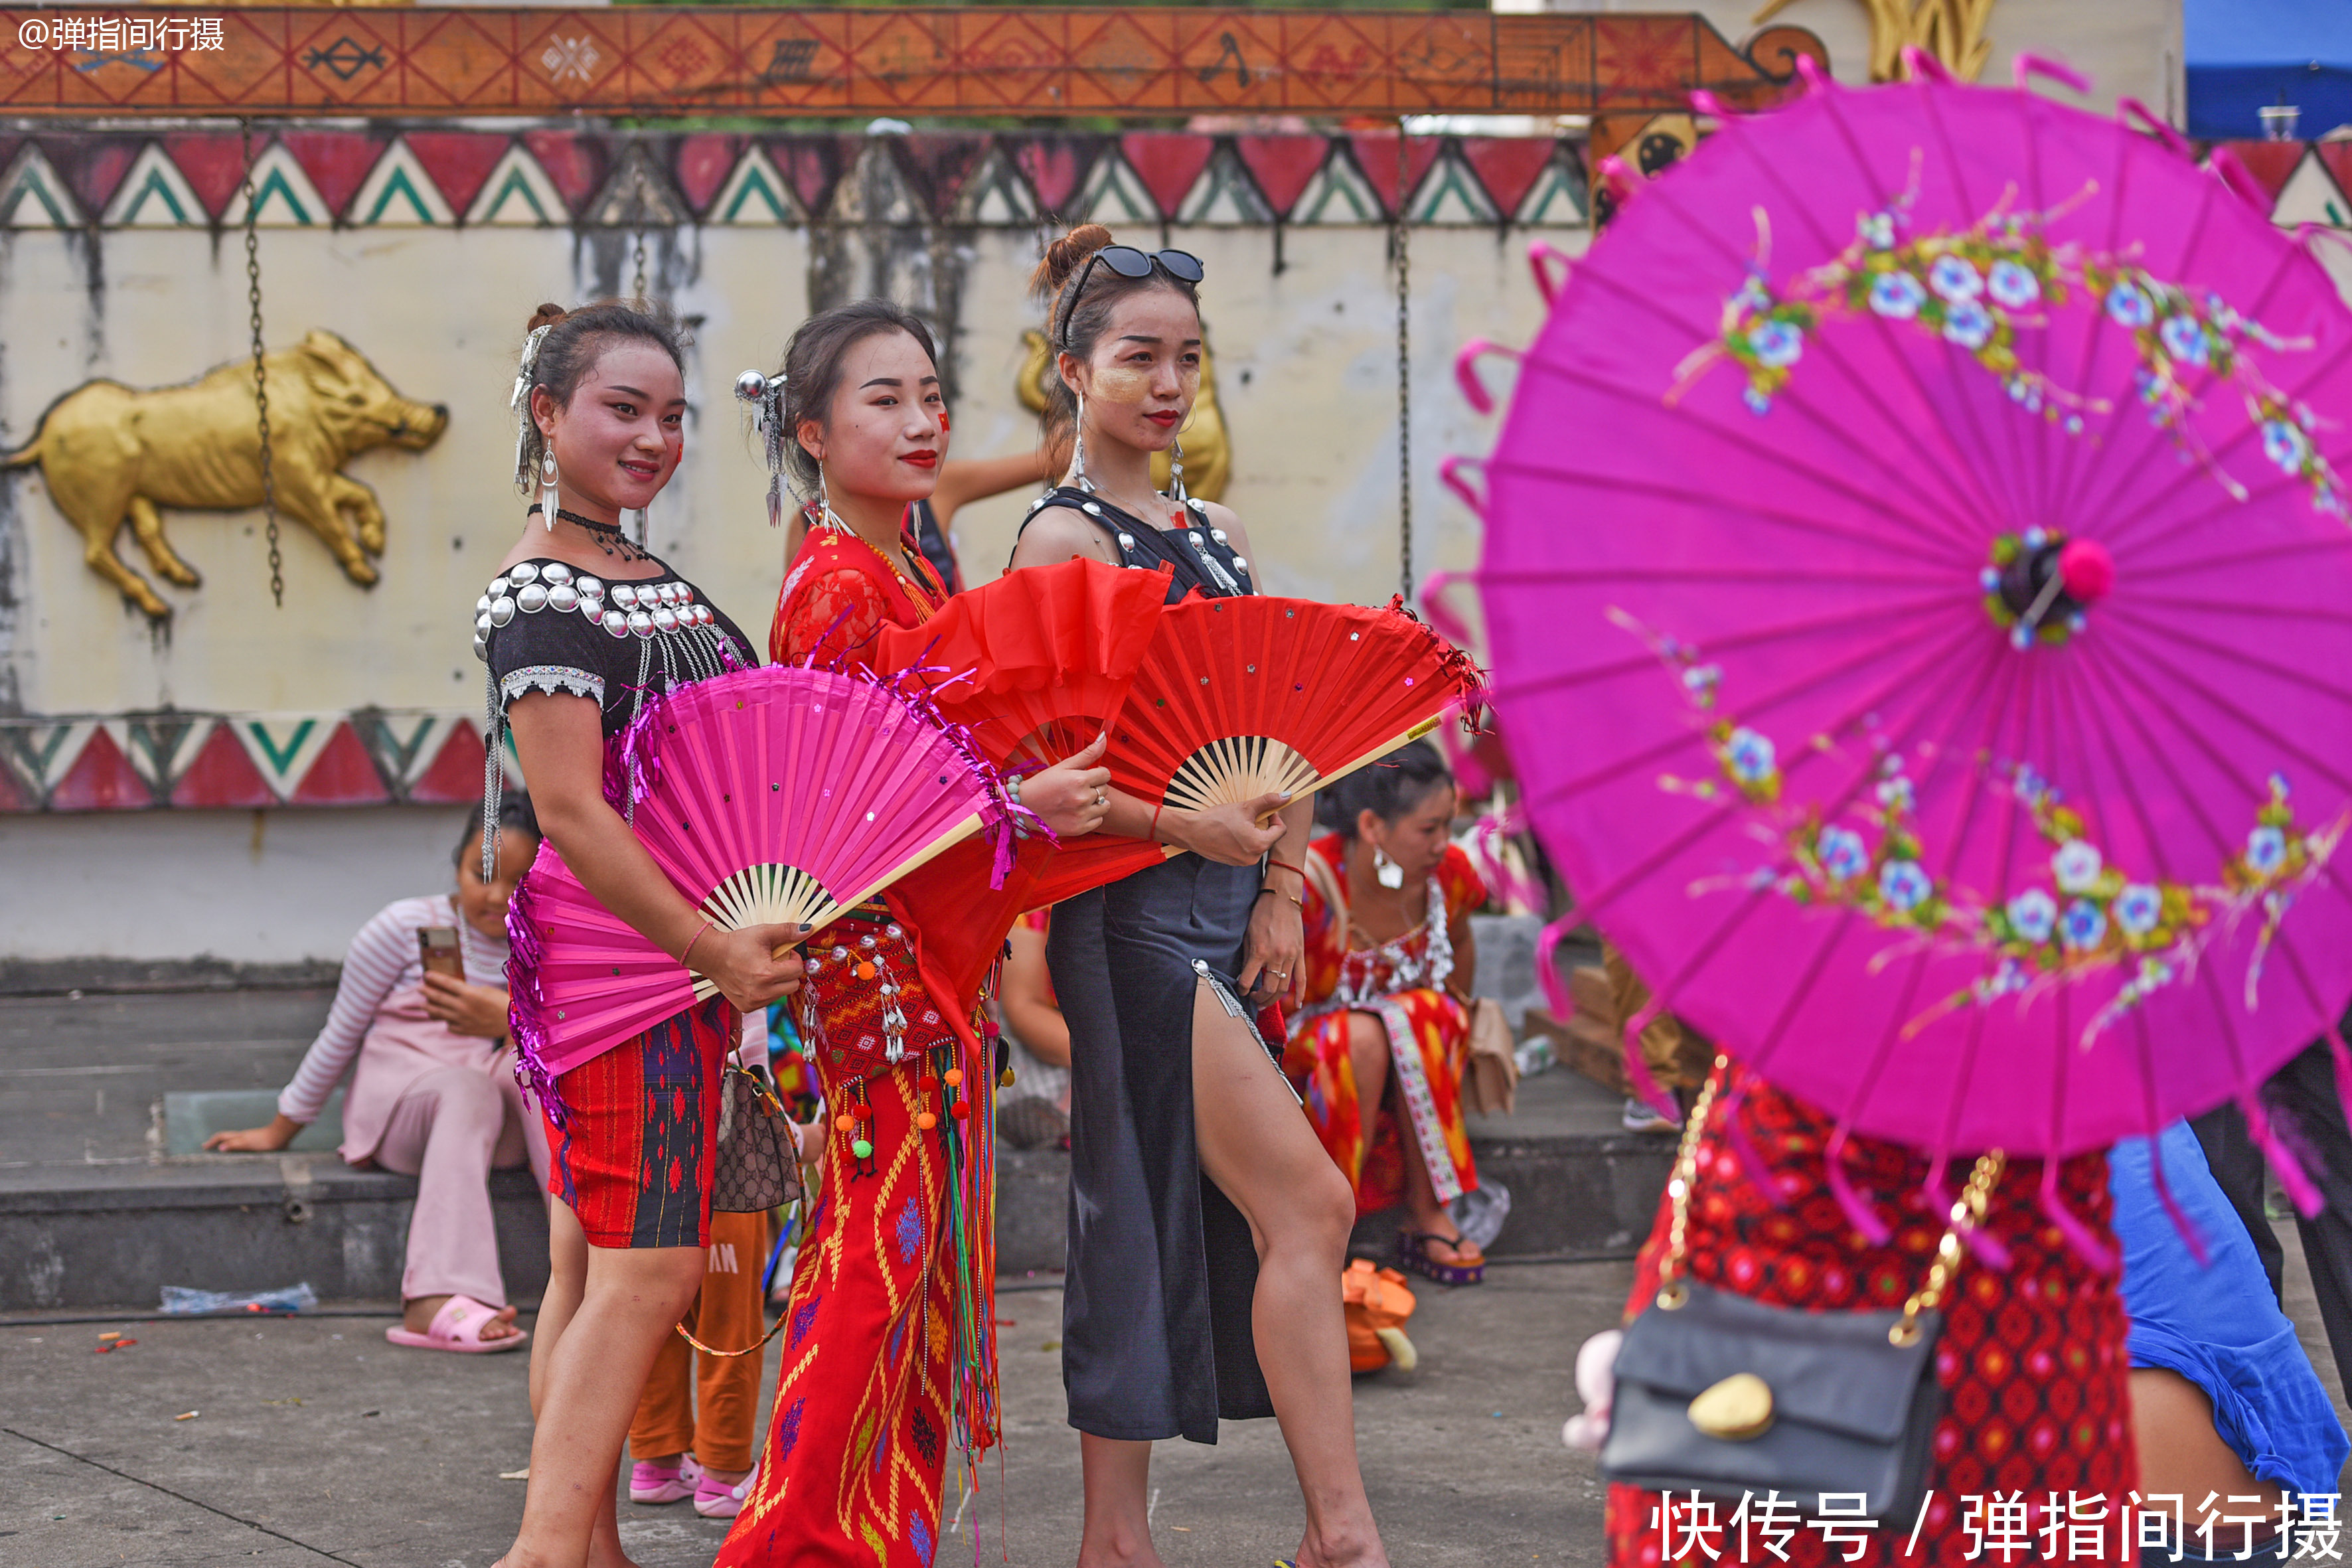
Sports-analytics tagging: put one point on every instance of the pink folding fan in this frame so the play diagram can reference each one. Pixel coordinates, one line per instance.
(776, 796)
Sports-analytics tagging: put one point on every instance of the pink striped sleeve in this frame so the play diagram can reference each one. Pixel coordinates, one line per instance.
(380, 956)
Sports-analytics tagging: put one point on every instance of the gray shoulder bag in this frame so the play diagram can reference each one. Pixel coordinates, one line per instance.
(1723, 1395)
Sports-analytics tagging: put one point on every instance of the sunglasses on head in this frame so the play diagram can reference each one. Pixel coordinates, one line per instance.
(1131, 264)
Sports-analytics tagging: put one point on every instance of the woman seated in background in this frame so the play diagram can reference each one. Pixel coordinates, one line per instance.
(433, 1095)
(1379, 1048)
(1035, 1112)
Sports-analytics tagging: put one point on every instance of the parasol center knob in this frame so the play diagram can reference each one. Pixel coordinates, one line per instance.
(2087, 570)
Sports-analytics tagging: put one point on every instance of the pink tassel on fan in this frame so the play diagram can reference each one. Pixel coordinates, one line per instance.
(526, 1011)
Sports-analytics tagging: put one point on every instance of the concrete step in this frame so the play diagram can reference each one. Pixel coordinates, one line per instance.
(97, 1210)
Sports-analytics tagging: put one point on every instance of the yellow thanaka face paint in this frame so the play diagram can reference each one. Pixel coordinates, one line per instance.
(1123, 384)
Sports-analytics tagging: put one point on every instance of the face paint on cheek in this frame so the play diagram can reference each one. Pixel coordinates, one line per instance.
(1120, 384)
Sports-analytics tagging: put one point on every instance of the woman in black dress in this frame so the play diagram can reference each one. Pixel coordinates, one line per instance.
(579, 627)
(1207, 1227)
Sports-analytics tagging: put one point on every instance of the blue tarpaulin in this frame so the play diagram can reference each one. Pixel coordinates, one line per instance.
(2245, 54)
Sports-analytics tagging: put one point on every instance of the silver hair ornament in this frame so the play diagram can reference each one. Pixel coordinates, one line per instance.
(526, 378)
(765, 394)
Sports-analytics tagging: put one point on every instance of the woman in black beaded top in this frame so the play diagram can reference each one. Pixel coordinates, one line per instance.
(1187, 1299)
(579, 628)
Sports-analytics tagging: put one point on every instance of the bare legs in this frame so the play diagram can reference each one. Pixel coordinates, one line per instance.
(606, 1312)
(1368, 1055)
(1262, 1154)
(1118, 1532)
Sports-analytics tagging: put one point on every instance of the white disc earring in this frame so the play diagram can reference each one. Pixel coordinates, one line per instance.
(1386, 871)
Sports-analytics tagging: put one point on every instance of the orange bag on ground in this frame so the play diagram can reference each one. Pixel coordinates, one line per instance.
(1378, 1304)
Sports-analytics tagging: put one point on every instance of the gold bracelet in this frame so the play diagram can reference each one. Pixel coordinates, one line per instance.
(1279, 894)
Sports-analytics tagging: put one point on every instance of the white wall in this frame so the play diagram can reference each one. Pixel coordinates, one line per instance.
(250, 887)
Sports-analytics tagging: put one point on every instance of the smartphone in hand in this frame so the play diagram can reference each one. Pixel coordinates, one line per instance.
(437, 946)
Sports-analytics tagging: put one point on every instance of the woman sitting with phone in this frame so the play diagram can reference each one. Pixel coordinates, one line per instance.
(422, 1007)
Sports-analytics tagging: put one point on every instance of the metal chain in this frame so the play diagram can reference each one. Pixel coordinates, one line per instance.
(1672, 1292)
(1400, 236)
(261, 369)
(1967, 1214)
(637, 293)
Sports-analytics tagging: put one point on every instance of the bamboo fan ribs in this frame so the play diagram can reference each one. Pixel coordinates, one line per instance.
(1242, 698)
(771, 796)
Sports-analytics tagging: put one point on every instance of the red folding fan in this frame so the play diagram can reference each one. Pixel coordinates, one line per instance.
(777, 795)
(1240, 698)
(1035, 665)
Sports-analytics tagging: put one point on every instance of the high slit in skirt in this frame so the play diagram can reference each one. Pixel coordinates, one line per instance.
(1156, 1337)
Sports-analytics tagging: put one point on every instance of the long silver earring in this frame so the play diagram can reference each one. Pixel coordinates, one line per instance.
(1078, 449)
(547, 487)
(1176, 475)
(825, 516)
(1387, 872)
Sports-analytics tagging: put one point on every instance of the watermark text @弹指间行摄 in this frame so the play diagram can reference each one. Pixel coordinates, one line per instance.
(150, 34)
(2003, 1527)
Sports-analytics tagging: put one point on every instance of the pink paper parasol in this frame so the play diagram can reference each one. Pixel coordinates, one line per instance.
(1920, 595)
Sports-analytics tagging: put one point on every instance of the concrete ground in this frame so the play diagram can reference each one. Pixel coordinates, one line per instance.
(314, 1440)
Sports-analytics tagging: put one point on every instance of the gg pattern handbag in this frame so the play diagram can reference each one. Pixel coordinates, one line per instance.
(1723, 1395)
(758, 1164)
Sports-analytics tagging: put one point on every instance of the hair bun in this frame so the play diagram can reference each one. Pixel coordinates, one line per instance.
(546, 316)
(1066, 256)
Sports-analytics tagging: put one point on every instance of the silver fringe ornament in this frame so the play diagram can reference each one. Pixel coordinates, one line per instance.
(526, 379)
(1078, 448)
(766, 396)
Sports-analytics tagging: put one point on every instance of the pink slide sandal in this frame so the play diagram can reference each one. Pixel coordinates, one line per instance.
(457, 1326)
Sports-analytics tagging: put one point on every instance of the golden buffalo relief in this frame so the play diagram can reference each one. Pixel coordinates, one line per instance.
(112, 454)
(1208, 455)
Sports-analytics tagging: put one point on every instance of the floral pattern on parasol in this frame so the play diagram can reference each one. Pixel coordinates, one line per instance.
(1918, 589)
(1977, 288)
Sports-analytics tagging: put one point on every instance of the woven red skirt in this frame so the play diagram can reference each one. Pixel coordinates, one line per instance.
(2033, 1358)
(633, 1157)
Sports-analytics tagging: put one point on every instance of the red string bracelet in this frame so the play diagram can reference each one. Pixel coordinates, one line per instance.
(1156, 810)
(691, 941)
(1286, 865)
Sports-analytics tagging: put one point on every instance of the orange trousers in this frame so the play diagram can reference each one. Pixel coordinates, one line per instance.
(705, 1404)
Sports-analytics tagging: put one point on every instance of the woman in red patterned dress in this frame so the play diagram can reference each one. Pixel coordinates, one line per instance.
(2031, 1358)
(1379, 1048)
(889, 1355)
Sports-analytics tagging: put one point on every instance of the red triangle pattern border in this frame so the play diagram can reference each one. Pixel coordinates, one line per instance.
(357, 767)
(696, 167)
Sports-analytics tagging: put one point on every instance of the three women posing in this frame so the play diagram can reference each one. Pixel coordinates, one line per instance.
(1207, 1223)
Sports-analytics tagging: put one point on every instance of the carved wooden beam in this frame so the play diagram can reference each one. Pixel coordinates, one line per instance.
(736, 60)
